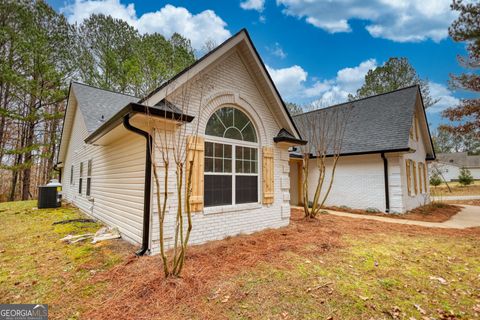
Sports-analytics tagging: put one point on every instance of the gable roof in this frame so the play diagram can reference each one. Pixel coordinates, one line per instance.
(93, 103)
(241, 37)
(379, 123)
(460, 159)
(99, 105)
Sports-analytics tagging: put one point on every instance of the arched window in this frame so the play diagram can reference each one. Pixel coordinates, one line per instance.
(231, 159)
(231, 123)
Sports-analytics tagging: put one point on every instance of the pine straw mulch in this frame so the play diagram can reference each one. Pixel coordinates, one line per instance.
(433, 212)
(136, 289)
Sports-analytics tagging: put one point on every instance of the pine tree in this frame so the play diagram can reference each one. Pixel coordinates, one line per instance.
(465, 177)
(435, 180)
(466, 29)
(395, 74)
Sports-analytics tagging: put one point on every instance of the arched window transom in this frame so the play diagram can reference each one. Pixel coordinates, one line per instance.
(231, 123)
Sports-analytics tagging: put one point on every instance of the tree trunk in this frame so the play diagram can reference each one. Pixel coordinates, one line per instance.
(27, 172)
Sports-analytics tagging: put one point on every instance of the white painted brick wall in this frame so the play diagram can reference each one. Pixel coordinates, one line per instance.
(232, 84)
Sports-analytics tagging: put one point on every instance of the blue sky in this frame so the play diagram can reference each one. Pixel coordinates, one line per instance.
(315, 51)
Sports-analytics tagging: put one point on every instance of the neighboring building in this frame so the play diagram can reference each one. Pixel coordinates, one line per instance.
(384, 157)
(241, 182)
(449, 165)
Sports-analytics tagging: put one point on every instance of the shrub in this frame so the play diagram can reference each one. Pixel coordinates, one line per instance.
(465, 177)
(372, 210)
(435, 179)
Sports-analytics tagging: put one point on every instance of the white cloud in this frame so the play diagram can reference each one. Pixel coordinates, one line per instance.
(439, 91)
(257, 5)
(397, 20)
(293, 86)
(277, 51)
(289, 81)
(166, 21)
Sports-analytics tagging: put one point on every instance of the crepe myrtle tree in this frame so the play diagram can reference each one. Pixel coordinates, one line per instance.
(324, 131)
(170, 148)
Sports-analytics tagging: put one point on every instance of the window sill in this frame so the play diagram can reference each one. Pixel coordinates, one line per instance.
(232, 208)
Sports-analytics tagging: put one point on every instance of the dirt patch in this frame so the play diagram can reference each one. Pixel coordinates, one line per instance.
(137, 289)
(434, 212)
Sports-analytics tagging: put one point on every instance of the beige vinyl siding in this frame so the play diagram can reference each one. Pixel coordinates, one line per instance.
(118, 171)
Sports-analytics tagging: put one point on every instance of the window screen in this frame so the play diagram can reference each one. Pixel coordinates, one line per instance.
(246, 189)
(218, 190)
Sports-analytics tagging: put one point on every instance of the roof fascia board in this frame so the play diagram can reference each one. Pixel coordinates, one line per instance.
(131, 108)
(272, 87)
(214, 55)
(425, 124)
(190, 72)
(368, 152)
(69, 114)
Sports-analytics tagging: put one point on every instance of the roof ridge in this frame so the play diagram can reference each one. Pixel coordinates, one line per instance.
(196, 62)
(356, 100)
(107, 90)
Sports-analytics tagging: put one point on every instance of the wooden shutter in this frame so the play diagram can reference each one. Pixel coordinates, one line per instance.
(409, 180)
(267, 175)
(195, 153)
(415, 185)
(425, 176)
(420, 177)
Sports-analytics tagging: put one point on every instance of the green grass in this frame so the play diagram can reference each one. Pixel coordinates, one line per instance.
(35, 267)
(372, 278)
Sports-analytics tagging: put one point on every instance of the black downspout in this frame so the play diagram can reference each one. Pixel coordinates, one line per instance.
(148, 184)
(385, 173)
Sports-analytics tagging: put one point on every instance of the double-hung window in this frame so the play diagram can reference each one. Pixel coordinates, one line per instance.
(231, 159)
(80, 178)
(89, 177)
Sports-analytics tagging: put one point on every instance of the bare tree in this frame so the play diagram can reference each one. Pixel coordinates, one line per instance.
(324, 130)
(170, 152)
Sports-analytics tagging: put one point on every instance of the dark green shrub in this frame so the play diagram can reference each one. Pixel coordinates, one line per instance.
(465, 177)
(435, 179)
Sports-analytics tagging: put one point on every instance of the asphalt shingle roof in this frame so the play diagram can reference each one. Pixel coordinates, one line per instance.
(98, 105)
(377, 123)
(461, 159)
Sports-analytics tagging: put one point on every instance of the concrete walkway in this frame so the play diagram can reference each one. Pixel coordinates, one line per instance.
(468, 217)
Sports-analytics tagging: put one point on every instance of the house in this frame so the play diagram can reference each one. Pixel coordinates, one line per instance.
(242, 131)
(242, 135)
(449, 165)
(384, 156)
